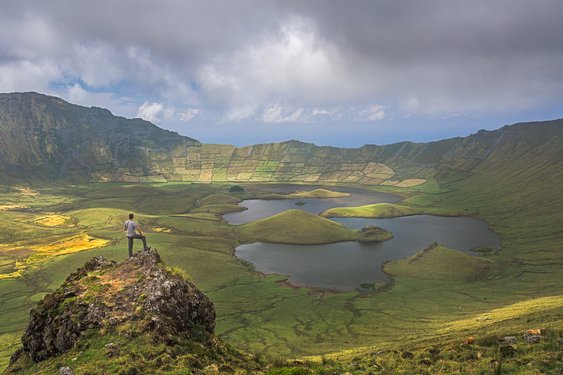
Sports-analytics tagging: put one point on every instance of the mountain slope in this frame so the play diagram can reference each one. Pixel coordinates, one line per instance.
(46, 137)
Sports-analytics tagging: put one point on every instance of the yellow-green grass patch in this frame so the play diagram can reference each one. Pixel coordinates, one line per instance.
(318, 193)
(63, 246)
(218, 209)
(162, 230)
(219, 199)
(411, 182)
(52, 220)
(513, 311)
(11, 206)
(386, 210)
(377, 210)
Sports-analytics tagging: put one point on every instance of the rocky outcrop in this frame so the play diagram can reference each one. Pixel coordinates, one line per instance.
(136, 296)
(59, 319)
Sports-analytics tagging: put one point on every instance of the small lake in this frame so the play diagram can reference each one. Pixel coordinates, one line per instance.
(260, 208)
(347, 265)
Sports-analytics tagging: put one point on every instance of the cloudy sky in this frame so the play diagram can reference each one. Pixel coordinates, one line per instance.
(330, 72)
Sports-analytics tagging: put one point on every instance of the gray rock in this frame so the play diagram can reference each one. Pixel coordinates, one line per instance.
(156, 299)
(507, 340)
(112, 350)
(66, 371)
(532, 339)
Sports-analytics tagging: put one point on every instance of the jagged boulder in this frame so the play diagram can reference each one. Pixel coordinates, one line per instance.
(105, 295)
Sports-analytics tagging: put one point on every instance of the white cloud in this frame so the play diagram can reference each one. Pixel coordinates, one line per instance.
(27, 75)
(158, 112)
(277, 114)
(372, 112)
(289, 62)
(151, 112)
(188, 114)
(98, 64)
(239, 112)
(293, 64)
(76, 94)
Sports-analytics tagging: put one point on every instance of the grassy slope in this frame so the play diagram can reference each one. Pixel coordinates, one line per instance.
(442, 264)
(318, 193)
(256, 314)
(520, 202)
(221, 208)
(140, 355)
(371, 210)
(295, 226)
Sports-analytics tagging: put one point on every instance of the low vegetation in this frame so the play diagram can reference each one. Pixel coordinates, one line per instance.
(218, 208)
(138, 316)
(304, 194)
(385, 210)
(295, 226)
(440, 263)
(53, 220)
(378, 210)
(317, 193)
(300, 227)
(428, 305)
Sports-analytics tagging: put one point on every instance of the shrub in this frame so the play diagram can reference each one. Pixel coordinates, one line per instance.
(236, 189)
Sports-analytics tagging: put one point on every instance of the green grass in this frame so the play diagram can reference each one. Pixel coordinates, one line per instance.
(411, 206)
(440, 263)
(377, 210)
(295, 226)
(219, 199)
(218, 208)
(258, 314)
(139, 355)
(318, 193)
(315, 193)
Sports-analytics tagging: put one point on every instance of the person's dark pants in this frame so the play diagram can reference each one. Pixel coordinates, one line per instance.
(138, 236)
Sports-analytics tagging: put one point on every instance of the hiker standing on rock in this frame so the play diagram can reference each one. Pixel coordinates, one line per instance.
(131, 229)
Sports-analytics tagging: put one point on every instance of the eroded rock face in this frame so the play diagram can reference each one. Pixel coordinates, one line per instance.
(58, 320)
(104, 295)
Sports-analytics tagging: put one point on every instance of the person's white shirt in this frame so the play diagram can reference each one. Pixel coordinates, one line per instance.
(131, 228)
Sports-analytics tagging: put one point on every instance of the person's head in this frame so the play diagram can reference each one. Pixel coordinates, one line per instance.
(131, 216)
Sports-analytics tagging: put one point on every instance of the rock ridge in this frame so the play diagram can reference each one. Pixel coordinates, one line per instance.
(138, 295)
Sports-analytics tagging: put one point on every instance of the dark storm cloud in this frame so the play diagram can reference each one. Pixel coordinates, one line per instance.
(176, 31)
(290, 61)
(499, 51)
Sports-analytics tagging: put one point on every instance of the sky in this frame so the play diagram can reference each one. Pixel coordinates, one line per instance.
(331, 72)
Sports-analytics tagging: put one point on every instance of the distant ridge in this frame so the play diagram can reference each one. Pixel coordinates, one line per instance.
(45, 138)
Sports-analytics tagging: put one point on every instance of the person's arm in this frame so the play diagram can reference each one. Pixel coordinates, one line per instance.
(139, 230)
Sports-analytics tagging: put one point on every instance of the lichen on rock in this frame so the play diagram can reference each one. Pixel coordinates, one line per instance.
(136, 296)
